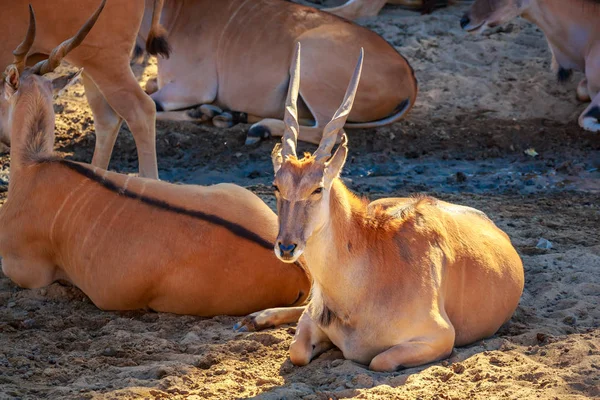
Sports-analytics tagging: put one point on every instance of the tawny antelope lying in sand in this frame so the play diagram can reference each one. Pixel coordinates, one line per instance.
(397, 282)
(112, 90)
(354, 9)
(573, 34)
(235, 54)
(129, 242)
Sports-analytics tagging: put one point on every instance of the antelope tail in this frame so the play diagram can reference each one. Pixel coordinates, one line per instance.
(157, 44)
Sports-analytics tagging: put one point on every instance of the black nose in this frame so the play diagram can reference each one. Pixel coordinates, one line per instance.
(464, 21)
(287, 250)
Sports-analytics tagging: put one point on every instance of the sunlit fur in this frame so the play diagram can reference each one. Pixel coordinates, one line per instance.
(397, 282)
(249, 74)
(573, 34)
(131, 243)
(105, 58)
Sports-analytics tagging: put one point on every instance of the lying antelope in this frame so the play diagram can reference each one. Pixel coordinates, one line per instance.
(111, 88)
(128, 242)
(235, 54)
(354, 9)
(397, 282)
(573, 34)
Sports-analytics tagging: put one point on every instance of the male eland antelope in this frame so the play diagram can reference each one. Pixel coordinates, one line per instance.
(397, 282)
(111, 88)
(573, 33)
(128, 242)
(235, 55)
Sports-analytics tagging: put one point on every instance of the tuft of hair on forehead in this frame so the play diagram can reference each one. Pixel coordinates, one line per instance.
(306, 161)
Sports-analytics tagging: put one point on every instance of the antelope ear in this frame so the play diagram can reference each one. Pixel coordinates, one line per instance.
(11, 82)
(276, 157)
(62, 83)
(334, 166)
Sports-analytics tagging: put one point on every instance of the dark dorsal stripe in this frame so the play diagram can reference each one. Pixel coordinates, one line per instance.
(234, 228)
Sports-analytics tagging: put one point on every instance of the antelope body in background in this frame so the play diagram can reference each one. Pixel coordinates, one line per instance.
(111, 88)
(235, 54)
(397, 282)
(354, 9)
(573, 34)
(128, 242)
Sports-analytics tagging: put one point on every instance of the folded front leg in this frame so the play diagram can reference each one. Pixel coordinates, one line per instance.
(416, 352)
(309, 341)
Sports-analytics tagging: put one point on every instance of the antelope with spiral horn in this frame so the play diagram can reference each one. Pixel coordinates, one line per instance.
(112, 91)
(396, 282)
(129, 242)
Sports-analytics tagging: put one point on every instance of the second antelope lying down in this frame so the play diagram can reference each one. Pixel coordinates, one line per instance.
(235, 54)
(127, 242)
(573, 34)
(397, 282)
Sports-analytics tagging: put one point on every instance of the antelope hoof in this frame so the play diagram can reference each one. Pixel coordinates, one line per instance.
(590, 121)
(248, 324)
(159, 107)
(223, 120)
(209, 111)
(151, 86)
(582, 92)
(256, 133)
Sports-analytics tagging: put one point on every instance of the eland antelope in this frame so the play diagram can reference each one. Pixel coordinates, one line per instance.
(235, 55)
(129, 242)
(397, 282)
(573, 35)
(111, 88)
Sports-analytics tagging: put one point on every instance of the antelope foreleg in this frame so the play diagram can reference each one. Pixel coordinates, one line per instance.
(590, 118)
(269, 318)
(309, 341)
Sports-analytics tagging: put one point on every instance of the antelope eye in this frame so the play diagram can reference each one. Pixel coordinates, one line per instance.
(275, 188)
(318, 190)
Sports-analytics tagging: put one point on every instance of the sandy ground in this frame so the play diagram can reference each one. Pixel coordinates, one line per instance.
(483, 101)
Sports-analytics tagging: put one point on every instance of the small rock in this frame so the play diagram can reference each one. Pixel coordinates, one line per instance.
(109, 352)
(28, 323)
(337, 363)
(569, 320)
(461, 177)
(544, 244)
(43, 292)
(458, 368)
(363, 381)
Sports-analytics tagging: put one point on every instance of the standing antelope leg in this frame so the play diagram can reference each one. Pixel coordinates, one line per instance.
(130, 102)
(583, 94)
(106, 123)
(269, 318)
(590, 118)
(309, 341)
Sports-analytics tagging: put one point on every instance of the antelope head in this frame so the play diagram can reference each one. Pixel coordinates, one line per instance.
(17, 76)
(302, 186)
(491, 13)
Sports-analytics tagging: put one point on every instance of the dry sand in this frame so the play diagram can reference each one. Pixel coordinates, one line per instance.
(483, 101)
